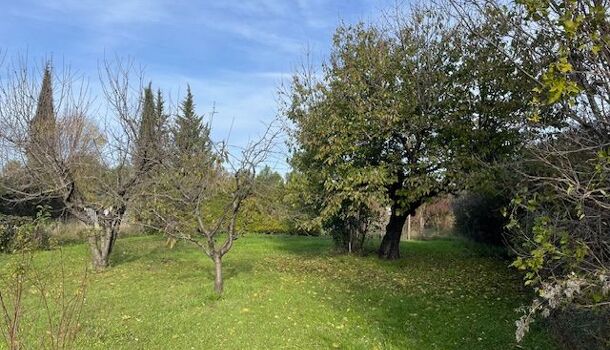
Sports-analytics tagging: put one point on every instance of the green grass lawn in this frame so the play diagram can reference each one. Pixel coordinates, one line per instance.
(294, 293)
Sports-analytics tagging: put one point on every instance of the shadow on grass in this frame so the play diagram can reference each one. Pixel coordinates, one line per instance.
(310, 246)
(314, 246)
(438, 295)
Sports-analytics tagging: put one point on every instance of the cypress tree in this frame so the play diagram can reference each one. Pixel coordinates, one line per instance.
(43, 125)
(145, 143)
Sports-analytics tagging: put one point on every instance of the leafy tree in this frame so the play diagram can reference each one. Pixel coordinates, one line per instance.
(266, 211)
(343, 126)
(492, 91)
(400, 118)
(304, 199)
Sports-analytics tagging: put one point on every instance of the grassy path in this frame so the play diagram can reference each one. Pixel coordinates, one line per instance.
(293, 293)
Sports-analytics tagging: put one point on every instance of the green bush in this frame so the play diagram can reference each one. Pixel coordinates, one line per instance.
(8, 231)
(478, 216)
(22, 232)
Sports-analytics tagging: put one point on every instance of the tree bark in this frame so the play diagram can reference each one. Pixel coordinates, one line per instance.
(218, 285)
(103, 238)
(101, 246)
(390, 244)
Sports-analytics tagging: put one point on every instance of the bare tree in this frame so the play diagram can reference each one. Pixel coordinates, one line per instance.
(182, 193)
(89, 166)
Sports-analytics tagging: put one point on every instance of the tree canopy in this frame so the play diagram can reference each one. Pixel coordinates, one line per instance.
(400, 115)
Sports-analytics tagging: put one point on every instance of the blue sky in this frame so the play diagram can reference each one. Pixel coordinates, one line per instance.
(233, 53)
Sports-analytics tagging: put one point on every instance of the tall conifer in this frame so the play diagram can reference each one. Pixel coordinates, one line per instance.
(144, 153)
(43, 124)
(191, 134)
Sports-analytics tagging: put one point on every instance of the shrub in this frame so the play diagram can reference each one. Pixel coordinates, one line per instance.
(21, 232)
(8, 231)
(478, 216)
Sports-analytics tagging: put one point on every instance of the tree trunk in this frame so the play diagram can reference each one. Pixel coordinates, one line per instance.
(218, 285)
(422, 220)
(101, 244)
(390, 244)
(103, 238)
(350, 230)
(98, 260)
(409, 227)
